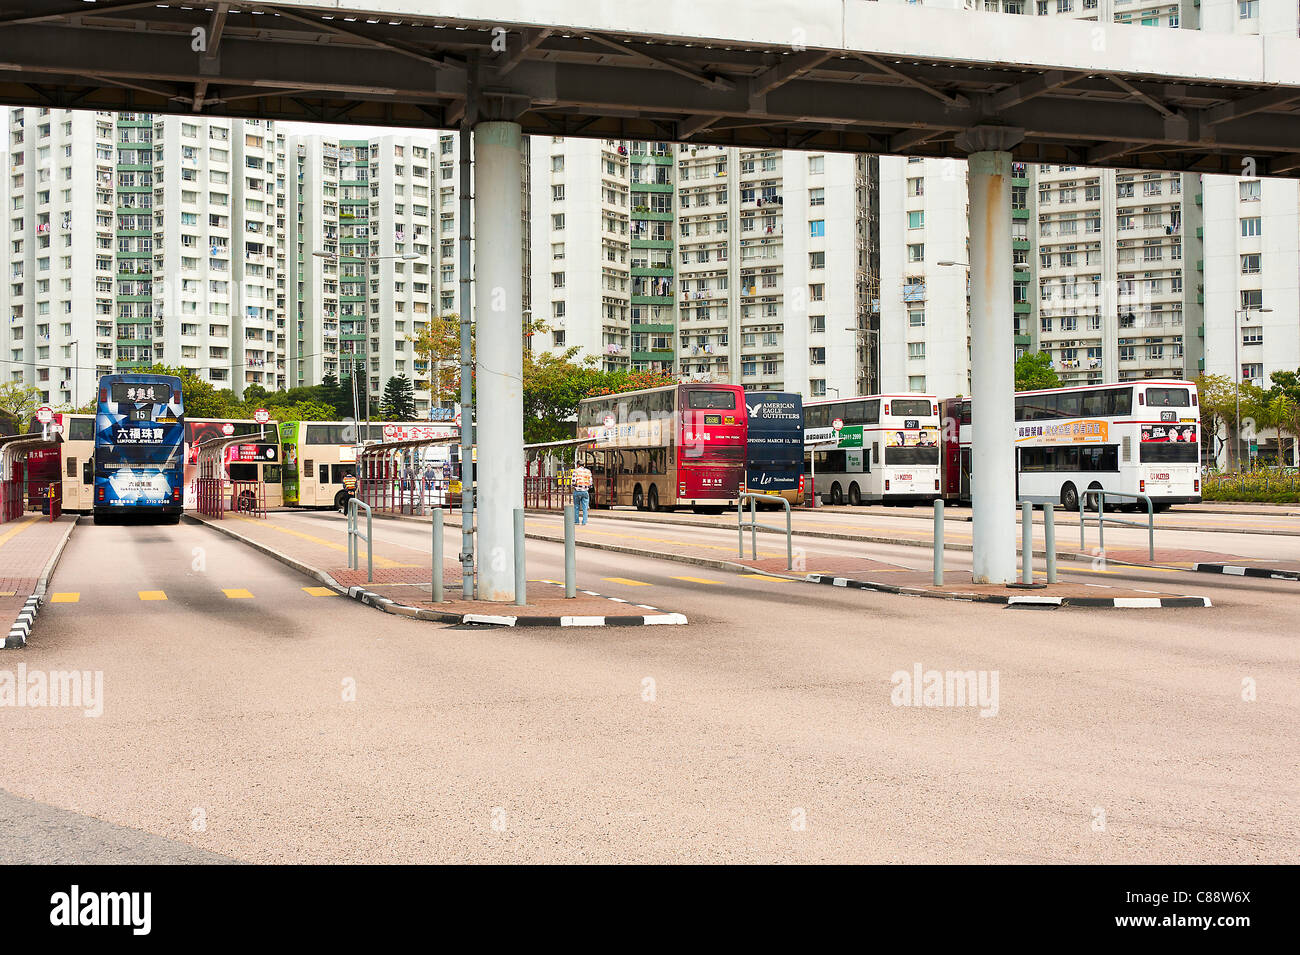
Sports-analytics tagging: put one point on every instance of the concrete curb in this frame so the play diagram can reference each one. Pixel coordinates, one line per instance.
(1238, 571)
(1129, 603)
(388, 605)
(22, 626)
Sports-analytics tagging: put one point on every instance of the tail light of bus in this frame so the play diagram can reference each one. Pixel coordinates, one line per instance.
(934, 409)
(100, 492)
(886, 484)
(176, 493)
(886, 407)
(681, 489)
(1196, 485)
(936, 484)
(103, 394)
(1142, 486)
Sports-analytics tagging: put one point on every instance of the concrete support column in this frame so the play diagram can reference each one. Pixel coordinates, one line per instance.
(498, 241)
(993, 474)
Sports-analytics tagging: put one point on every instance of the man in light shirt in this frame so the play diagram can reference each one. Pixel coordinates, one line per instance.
(581, 493)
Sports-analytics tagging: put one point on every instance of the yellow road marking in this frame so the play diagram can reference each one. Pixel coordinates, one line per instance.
(70, 598)
(318, 591)
(17, 529)
(237, 593)
(625, 581)
(697, 580)
(9, 593)
(779, 580)
(152, 595)
(379, 561)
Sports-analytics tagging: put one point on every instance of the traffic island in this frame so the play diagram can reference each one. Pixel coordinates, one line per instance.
(405, 589)
(30, 548)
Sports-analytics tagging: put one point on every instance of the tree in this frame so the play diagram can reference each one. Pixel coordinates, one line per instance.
(553, 385)
(1285, 395)
(201, 399)
(18, 403)
(1218, 400)
(1034, 372)
(438, 346)
(398, 403)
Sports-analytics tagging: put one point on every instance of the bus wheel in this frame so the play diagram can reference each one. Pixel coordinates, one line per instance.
(638, 498)
(653, 503)
(1093, 501)
(855, 496)
(1069, 497)
(837, 495)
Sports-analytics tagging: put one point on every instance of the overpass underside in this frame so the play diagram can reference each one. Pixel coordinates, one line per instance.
(845, 75)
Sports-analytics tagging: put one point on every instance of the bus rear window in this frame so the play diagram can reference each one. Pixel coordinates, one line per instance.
(1169, 397)
(910, 407)
(912, 456)
(1174, 452)
(81, 429)
(719, 400)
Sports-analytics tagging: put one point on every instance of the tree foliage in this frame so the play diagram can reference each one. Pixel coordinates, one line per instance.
(1034, 372)
(18, 403)
(398, 403)
(438, 346)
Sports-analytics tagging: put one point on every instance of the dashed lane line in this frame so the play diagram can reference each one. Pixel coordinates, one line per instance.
(319, 592)
(152, 595)
(65, 598)
(698, 580)
(237, 593)
(625, 581)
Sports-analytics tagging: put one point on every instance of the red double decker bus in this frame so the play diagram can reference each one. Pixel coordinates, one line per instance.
(677, 446)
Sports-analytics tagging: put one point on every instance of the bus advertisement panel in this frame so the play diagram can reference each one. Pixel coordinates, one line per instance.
(774, 445)
(139, 434)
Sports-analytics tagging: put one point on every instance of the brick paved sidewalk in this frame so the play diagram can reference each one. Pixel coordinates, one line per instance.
(26, 547)
(403, 575)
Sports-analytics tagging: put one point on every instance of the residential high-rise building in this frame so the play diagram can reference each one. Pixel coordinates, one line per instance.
(738, 265)
(136, 239)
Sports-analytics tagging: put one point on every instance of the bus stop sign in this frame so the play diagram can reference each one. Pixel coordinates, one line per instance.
(261, 416)
(838, 424)
(44, 414)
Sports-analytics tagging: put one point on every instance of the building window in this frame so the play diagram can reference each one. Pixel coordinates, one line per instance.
(1250, 263)
(1249, 191)
(817, 356)
(557, 222)
(1252, 298)
(817, 228)
(915, 220)
(816, 293)
(1247, 9)
(1250, 225)
(1252, 371)
(557, 280)
(817, 387)
(916, 252)
(916, 349)
(816, 165)
(816, 197)
(916, 383)
(816, 324)
(1252, 336)
(557, 193)
(916, 317)
(816, 260)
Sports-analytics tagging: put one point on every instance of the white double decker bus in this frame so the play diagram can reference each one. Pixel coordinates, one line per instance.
(1137, 438)
(886, 449)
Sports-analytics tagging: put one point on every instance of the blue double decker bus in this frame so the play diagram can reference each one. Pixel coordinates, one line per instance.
(774, 450)
(139, 447)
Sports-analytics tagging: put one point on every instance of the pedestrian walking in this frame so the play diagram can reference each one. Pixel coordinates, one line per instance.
(581, 493)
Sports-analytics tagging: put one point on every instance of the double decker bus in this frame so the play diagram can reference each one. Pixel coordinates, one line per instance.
(676, 446)
(318, 454)
(71, 464)
(886, 449)
(257, 459)
(1138, 437)
(774, 445)
(139, 454)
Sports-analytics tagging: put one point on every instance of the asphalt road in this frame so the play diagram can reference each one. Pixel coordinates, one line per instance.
(286, 727)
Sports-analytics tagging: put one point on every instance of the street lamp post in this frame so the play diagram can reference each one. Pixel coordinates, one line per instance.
(1237, 375)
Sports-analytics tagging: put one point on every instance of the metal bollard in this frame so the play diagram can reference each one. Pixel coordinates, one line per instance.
(1049, 539)
(436, 577)
(521, 576)
(1026, 543)
(570, 561)
(938, 543)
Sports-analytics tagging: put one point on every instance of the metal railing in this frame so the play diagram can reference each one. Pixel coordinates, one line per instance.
(355, 535)
(1101, 496)
(754, 526)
